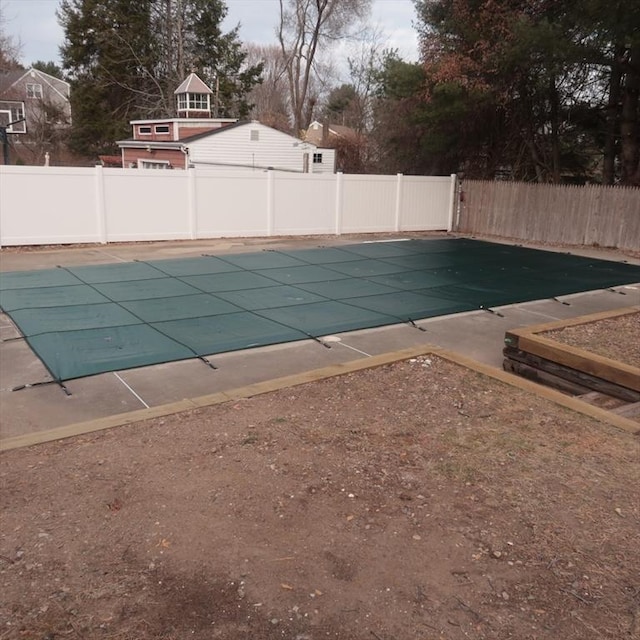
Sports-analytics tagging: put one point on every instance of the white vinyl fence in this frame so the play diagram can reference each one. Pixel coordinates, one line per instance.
(62, 205)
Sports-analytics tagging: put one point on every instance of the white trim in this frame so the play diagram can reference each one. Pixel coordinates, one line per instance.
(45, 77)
(190, 120)
(10, 118)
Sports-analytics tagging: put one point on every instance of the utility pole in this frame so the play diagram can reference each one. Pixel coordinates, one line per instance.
(4, 139)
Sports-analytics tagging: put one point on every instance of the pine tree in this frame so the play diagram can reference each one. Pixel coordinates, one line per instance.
(125, 59)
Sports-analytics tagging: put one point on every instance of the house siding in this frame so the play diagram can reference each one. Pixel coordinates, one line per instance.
(175, 157)
(236, 149)
(46, 107)
(246, 146)
(186, 131)
(328, 164)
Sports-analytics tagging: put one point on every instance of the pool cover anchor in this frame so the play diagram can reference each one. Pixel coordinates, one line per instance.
(30, 385)
(495, 313)
(568, 304)
(411, 322)
(622, 293)
(208, 362)
(318, 340)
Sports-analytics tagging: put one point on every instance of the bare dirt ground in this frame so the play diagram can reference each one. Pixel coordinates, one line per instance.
(416, 500)
(615, 338)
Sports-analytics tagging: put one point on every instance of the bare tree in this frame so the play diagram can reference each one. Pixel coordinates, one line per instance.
(305, 28)
(10, 48)
(269, 98)
(364, 65)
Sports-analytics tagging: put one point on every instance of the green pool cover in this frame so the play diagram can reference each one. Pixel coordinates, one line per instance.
(86, 320)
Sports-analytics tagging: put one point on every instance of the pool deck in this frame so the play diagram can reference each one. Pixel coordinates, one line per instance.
(477, 335)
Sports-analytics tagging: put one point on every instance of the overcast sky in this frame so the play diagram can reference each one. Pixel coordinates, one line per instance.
(34, 23)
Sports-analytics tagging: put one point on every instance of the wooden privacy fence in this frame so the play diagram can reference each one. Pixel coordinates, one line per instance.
(566, 214)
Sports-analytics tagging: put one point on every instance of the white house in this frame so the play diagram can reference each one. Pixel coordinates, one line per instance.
(255, 146)
(195, 139)
(249, 146)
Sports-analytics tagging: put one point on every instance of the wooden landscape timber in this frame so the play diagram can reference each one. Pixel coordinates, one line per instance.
(571, 369)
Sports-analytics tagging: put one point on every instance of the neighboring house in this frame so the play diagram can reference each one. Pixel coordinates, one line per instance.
(325, 134)
(43, 101)
(195, 139)
(349, 146)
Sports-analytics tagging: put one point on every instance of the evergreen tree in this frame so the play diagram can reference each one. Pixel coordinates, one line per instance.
(125, 59)
(49, 67)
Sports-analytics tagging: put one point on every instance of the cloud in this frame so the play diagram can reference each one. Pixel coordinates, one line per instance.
(34, 24)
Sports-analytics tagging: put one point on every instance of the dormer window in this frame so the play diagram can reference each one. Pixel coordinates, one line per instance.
(194, 102)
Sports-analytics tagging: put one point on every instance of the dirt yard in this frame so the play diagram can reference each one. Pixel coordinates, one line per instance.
(418, 500)
(616, 338)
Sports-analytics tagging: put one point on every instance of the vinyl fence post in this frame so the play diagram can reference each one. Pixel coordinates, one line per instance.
(101, 213)
(397, 221)
(1, 207)
(339, 201)
(270, 202)
(193, 202)
(453, 192)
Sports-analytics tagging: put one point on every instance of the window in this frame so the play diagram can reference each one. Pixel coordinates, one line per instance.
(16, 113)
(317, 158)
(12, 113)
(154, 164)
(255, 135)
(162, 128)
(144, 131)
(34, 91)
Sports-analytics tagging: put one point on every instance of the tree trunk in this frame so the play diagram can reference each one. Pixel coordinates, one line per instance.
(556, 178)
(612, 119)
(629, 130)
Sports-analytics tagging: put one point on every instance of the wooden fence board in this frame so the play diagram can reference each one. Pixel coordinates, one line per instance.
(590, 215)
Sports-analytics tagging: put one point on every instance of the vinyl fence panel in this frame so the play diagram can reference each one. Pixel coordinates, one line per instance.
(145, 204)
(231, 204)
(50, 205)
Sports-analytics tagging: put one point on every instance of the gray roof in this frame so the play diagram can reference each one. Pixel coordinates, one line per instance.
(9, 78)
(192, 84)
